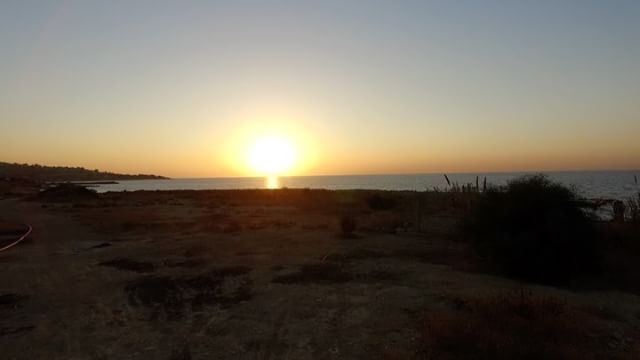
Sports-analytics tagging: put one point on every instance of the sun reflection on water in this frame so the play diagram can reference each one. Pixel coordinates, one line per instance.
(272, 182)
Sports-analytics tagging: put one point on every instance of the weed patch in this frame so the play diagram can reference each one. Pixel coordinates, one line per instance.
(516, 325)
(172, 296)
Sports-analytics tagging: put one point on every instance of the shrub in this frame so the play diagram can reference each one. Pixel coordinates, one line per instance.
(348, 226)
(633, 208)
(67, 192)
(534, 229)
(379, 202)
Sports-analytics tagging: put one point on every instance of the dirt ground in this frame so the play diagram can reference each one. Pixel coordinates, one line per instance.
(224, 275)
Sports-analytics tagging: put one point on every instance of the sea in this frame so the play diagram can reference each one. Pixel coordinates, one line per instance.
(619, 185)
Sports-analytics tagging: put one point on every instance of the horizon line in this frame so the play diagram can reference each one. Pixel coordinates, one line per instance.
(409, 174)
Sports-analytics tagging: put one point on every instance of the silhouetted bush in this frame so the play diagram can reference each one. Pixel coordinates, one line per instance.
(379, 202)
(535, 229)
(621, 269)
(633, 208)
(348, 226)
(67, 192)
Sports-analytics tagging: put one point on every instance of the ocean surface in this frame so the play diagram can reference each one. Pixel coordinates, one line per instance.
(590, 184)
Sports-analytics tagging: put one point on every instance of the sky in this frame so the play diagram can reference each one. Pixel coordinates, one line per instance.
(183, 88)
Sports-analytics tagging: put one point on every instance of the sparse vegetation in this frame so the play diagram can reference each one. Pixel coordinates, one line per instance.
(173, 296)
(380, 202)
(621, 250)
(348, 226)
(67, 192)
(515, 325)
(633, 209)
(534, 229)
(16, 187)
(188, 257)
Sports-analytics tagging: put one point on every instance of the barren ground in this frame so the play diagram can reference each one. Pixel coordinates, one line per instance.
(215, 275)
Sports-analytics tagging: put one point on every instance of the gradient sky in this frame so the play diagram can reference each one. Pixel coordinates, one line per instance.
(178, 88)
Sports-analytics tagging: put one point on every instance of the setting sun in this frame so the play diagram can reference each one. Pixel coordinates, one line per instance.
(284, 171)
(272, 155)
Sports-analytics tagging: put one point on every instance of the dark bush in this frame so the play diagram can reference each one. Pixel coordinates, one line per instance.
(535, 229)
(379, 202)
(67, 192)
(348, 226)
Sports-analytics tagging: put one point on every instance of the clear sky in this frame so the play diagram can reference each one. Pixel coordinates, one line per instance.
(181, 88)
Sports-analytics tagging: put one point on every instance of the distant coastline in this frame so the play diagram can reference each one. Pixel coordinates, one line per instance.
(62, 173)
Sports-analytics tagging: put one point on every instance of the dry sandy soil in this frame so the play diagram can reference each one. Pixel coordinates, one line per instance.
(235, 275)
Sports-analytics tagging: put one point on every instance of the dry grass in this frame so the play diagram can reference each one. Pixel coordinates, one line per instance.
(340, 298)
(171, 296)
(348, 226)
(126, 220)
(9, 304)
(621, 243)
(633, 209)
(516, 325)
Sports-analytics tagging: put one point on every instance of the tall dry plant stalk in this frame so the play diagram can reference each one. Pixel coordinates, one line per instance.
(633, 208)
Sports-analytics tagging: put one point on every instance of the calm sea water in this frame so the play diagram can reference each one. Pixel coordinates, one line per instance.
(591, 184)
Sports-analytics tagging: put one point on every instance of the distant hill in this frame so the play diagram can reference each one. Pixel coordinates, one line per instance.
(62, 173)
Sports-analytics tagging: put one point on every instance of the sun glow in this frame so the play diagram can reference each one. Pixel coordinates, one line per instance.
(272, 155)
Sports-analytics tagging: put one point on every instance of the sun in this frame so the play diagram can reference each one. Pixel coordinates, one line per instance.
(272, 155)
